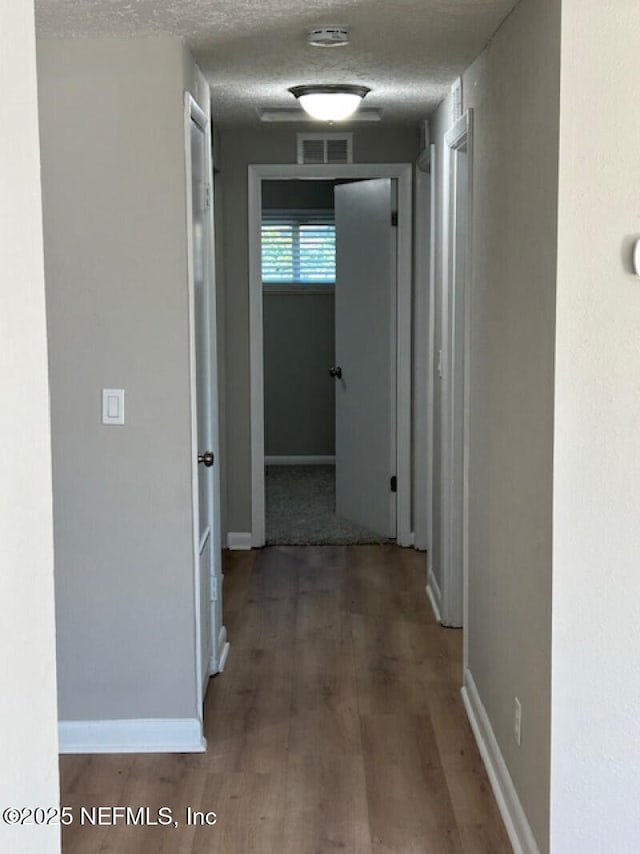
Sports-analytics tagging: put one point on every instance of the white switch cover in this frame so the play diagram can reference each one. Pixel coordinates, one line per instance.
(113, 406)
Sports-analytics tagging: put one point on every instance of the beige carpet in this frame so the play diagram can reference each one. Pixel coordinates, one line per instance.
(301, 509)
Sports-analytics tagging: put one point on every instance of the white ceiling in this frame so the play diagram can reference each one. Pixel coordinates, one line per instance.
(407, 51)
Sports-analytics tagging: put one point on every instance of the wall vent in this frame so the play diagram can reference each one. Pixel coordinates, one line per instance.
(325, 148)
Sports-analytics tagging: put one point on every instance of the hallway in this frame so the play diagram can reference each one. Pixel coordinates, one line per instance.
(338, 724)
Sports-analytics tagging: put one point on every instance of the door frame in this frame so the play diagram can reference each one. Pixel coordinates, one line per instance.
(454, 590)
(434, 176)
(219, 647)
(424, 307)
(402, 172)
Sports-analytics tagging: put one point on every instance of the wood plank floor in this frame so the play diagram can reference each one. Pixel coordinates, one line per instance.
(337, 725)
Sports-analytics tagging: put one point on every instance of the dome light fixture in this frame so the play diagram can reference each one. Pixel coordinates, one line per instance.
(329, 102)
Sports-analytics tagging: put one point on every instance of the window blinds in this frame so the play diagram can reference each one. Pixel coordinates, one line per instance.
(298, 247)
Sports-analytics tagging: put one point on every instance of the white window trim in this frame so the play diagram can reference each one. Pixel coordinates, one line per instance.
(298, 289)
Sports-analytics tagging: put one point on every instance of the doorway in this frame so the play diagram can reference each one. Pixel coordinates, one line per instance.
(298, 279)
(398, 175)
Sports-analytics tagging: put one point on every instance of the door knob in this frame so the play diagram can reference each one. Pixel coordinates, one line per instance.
(207, 458)
(336, 372)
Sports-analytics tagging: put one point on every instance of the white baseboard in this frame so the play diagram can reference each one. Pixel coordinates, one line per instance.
(154, 735)
(239, 542)
(435, 595)
(300, 461)
(217, 664)
(513, 815)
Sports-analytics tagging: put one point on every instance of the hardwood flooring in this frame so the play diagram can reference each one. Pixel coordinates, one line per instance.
(337, 725)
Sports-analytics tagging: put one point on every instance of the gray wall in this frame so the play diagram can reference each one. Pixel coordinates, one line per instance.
(116, 258)
(299, 394)
(514, 90)
(239, 148)
(596, 585)
(298, 195)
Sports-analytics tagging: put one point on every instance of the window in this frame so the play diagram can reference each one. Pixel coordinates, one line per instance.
(298, 247)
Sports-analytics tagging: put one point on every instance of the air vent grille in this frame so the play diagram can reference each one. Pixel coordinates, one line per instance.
(313, 151)
(338, 150)
(325, 148)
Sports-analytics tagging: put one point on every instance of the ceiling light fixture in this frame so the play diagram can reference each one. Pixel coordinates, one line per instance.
(331, 102)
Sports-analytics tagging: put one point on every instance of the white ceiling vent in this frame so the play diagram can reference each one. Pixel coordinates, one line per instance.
(325, 148)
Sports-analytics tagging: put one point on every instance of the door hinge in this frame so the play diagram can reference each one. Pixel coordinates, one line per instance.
(394, 484)
(207, 196)
(394, 219)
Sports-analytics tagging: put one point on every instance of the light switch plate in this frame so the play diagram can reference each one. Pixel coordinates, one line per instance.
(113, 406)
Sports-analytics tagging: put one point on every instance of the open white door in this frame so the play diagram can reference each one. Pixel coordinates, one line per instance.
(211, 638)
(365, 366)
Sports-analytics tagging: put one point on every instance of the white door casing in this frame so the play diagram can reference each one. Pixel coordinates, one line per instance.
(402, 172)
(456, 311)
(431, 355)
(211, 644)
(423, 338)
(366, 354)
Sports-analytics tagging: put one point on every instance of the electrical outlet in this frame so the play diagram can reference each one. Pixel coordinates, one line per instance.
(517, 721)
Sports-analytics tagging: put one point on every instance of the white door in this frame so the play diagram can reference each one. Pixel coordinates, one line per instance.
(365, 362)
(207, 480)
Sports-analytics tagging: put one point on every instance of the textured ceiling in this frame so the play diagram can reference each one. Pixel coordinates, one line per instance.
(407, 51)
